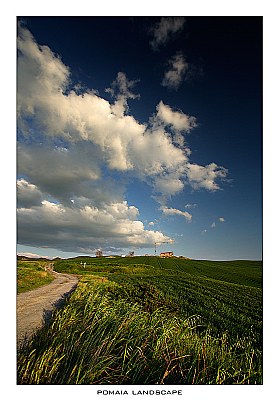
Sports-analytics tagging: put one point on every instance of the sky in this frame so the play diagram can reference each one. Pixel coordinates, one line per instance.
(133, 131)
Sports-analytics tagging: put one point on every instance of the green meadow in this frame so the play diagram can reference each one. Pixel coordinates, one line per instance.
(31, 275)
(149, 320)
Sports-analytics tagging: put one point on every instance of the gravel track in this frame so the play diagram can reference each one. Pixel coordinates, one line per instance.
(34, 308)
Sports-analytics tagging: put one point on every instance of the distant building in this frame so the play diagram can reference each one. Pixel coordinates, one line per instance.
(166, 254)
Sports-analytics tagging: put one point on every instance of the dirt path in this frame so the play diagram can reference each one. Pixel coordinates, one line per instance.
(34, 308)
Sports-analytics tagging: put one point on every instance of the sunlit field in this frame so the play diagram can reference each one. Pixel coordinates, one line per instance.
(31, 275)
(148, 320)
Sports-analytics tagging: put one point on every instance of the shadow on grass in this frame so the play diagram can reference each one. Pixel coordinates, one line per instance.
(47, 314)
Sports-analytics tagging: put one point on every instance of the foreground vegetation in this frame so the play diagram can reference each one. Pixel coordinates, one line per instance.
(31, 275)
(148, 320)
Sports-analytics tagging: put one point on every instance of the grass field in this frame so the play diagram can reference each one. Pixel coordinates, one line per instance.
(31, 275)
(147, 320)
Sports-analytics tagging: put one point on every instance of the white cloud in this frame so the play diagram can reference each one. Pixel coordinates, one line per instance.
(55, 74)
(114, 137)
(120, 89)
(76, 141)
(121, 142)
(174, 76)
(165, 29)
(177, 120)
(221, 219)
(174, 211)
(73, 229)
(213, 225)
(205, 177)
(204, 231)
(177, 124)
(188, 205)
(168, 185)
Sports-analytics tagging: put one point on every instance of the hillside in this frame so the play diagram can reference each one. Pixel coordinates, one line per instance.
(208, 315)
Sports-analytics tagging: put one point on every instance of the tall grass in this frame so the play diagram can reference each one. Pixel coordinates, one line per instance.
(106, 336)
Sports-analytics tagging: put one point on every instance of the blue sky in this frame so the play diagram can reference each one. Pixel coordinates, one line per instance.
(139, 130)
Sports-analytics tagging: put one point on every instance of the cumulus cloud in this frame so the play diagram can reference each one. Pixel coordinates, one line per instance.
(213, 225)
(121, 90)
(168, 185)
(119, 140)
(73, 142)
(166, 29)
(67, 173)
(175, 75)
(174, 211)
(121, 87)
(221, 219)
(88, 227)
(177, 120)
(205, 177)
(28, 195)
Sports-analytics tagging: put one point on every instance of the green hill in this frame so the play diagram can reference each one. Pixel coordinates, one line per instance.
(146, 320)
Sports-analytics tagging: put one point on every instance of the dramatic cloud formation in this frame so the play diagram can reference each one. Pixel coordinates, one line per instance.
(176, 72)
(165, 29)
(84, 229)
(67, 174)
(174, 211)
(72, 143)
(28, 195)
(120, 141)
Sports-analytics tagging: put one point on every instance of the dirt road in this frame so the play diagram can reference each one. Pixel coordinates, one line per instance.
(34, 307)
